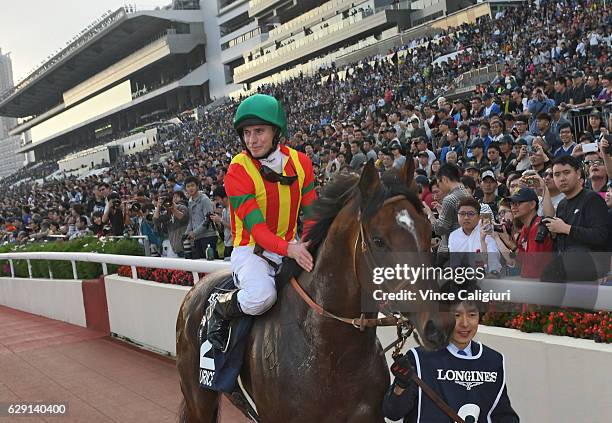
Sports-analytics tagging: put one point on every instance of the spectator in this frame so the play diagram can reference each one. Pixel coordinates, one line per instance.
(224, 220)
(546, 132)
(540, 103)
(478, 148)
(472, 237)
(98, 203)
(170, 220)
(488, 185)
(567, 140)
(398, 158)
(580, 223)
(81, 228)
(534, 244)
(453, 192)
(115, 214)
(358, 158)
(596, 172)
(200, 228)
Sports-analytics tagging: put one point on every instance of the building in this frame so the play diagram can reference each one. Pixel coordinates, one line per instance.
(128, 69)
(10, 161)
(133, 68)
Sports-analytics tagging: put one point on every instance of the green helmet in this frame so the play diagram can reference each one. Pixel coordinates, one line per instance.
(260, 109)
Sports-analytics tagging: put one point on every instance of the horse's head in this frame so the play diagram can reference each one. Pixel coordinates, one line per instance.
(393, 230)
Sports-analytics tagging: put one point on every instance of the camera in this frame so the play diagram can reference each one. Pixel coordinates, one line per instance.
(187, 248)
(135, 207)
(542, 231)
(208, 222)
(167, 203)
(115, 203)
(499, 227)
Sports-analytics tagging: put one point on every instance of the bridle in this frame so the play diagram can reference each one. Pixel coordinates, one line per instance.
(404, 326)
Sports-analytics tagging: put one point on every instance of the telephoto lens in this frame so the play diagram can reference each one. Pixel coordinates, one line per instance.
(187, 249)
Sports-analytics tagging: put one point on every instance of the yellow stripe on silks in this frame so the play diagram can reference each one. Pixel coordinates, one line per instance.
(260, 189)
(301, 176)
(284, 207)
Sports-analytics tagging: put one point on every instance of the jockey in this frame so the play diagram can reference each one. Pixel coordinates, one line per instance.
(267, 185)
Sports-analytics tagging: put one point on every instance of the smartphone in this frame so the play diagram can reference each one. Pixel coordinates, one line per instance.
(590, 147)
(529, 149)
(486, 222)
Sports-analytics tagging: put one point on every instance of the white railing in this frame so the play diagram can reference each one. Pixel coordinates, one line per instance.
(572, 295)
(194, 266)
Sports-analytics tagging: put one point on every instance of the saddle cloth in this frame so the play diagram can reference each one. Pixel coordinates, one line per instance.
(219, 370)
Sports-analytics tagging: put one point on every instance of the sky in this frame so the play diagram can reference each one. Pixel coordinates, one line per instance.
(33, 30)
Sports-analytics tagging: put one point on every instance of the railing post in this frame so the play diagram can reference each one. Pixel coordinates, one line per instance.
(29, 268)
(134, 272)
(12, 268)
(50, 271)
(196, 277)
(104, 269)
(74, 270)
(147, 246)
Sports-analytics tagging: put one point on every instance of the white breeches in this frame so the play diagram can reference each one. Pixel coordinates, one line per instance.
(255, 280)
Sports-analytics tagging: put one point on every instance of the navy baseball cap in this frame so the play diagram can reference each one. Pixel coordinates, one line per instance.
(524, 194)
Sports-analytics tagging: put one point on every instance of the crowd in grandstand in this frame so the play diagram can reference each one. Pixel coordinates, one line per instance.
(550, 104)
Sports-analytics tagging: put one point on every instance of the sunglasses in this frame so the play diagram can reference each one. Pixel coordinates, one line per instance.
(271, 176)
(469, 214)
(594, 162)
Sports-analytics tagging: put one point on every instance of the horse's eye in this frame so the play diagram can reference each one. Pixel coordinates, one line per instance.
(378, 242)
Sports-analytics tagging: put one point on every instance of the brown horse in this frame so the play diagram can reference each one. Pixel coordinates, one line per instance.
(300, 366)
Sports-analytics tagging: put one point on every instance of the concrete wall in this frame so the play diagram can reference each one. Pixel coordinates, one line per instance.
(54, 298)
(144, 312)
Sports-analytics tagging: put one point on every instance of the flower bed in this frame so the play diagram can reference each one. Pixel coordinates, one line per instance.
(596, 326)
(173, 277)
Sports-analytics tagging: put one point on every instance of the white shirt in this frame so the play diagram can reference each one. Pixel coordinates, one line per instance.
(455, 351)
(459, 242)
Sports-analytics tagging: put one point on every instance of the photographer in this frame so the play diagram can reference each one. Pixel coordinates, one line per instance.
(534, 236)
(200, 228)
(540, 103)
(223, 200)
(170, 219)
(115, 215)
(581, 219)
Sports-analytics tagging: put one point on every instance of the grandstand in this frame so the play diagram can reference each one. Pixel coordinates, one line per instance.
(129, 68)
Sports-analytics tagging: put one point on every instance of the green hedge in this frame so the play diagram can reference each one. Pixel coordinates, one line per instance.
(63, 269)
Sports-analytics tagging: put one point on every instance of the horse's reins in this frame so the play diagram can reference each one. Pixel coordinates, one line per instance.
(404, 326)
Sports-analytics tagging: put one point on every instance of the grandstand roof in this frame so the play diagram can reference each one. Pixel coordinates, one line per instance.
(109, 40)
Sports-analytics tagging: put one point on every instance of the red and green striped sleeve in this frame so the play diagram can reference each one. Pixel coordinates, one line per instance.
(241, 191)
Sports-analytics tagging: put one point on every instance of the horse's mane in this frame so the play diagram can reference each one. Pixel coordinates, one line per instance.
(335, 195)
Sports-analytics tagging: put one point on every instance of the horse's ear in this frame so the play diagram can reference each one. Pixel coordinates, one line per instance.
(369, 183)
(407, 172)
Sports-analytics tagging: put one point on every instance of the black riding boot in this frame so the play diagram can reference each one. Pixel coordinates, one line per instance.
(225, 309)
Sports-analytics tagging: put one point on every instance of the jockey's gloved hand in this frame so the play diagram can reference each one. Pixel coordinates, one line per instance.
(402, 370)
